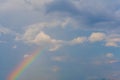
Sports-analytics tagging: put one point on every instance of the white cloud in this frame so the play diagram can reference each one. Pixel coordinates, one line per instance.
(78, 40)
(112, 40)
(40, 38)
(26, 55)
(56, 47)
(97, 36)
(113, 44)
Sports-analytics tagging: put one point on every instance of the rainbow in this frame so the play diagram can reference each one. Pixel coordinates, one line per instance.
(15, 74)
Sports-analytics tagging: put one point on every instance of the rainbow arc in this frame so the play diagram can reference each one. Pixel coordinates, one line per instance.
(16, 73)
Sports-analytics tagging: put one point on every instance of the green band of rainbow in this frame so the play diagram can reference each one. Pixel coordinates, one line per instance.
(24, 65)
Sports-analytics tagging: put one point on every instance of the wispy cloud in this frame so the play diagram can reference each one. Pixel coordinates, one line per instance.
(110, 55)
(55, 69)
(5, 30)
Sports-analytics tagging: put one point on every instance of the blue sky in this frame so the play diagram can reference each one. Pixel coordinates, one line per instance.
(81, 36)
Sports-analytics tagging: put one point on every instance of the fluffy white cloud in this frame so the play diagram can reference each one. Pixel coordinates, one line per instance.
(97, 36)
(43, 39)
(109, 39)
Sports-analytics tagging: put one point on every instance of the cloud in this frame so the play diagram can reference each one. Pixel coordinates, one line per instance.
(114, 44)
(14, 47)
(113, 40)
(38, 2)
(43, 39)
(26, 55)
(5, 30)
(109, 55)
(59, 58)
(61, 6)
(78, 40)
(52, 23)
(35, 34)
(113, 61)
(103, 17)
(94, 37)
(12, 5)
(38, 37)
(54, 48)
(55, 69)
(110, 40)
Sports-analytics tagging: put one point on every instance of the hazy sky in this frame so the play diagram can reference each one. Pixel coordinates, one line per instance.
(81, 38)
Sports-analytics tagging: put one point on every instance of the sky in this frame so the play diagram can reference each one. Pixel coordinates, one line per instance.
(80, 39)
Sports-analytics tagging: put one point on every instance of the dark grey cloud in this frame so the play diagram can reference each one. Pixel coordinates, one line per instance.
(89, 14)
(62, 6)
(102, 15)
